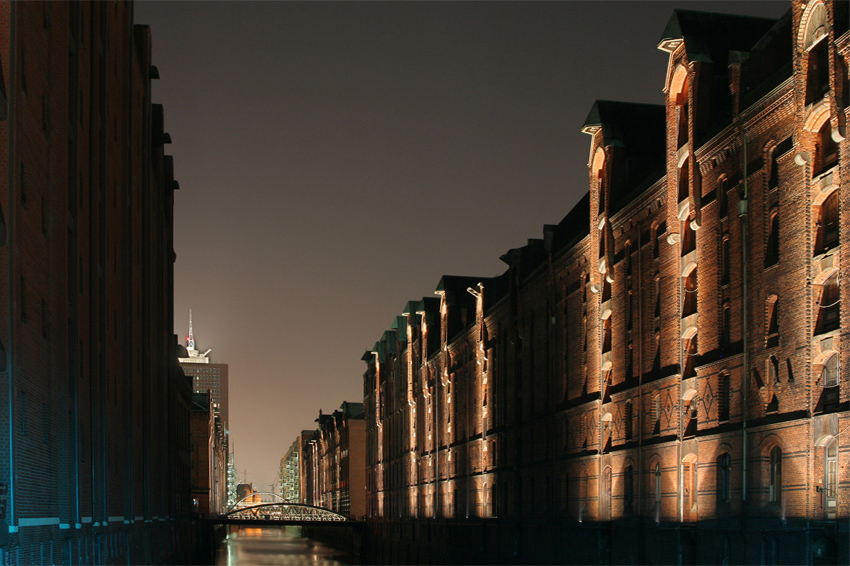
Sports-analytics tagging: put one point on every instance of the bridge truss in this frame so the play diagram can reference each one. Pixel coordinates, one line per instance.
(295, 512)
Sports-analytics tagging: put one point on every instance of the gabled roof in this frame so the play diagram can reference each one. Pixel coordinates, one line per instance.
(709, 36)
(637, 134)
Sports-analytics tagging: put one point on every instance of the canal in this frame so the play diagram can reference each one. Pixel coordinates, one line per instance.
(259, 546)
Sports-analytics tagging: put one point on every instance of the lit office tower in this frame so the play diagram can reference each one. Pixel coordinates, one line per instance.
(206, 376)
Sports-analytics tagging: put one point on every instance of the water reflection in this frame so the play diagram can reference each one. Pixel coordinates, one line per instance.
(252, 546)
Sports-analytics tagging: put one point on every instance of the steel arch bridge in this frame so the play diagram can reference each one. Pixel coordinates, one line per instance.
(284, 512)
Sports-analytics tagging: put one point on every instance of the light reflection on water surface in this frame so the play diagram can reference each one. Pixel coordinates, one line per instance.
(252, 546)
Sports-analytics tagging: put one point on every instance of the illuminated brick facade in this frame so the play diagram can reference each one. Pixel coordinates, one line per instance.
(94, 438)
(658, 378)
(333, 461)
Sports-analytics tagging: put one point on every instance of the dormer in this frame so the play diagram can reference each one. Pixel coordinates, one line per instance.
(822, 78)
(626, 156)
(698, 99)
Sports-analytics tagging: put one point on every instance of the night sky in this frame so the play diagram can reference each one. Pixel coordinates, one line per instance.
(336, 159)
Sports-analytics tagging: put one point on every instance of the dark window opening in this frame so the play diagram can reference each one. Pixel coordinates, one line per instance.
(684, 177)
(726, 261)
(726, 328)
(723, 198)
(689, 300)
(771, 256)
(689, 238)
(826, 155)
(775, 472)
(724, 478)
(682, 126)
(828, 228)
(628, 490)
(817, 81)
(690, 357)
(830, 305)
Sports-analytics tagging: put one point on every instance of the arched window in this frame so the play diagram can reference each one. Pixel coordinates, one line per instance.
(606, 335)
(689, 238)
(605, 495)
(725, 260)
(684, 181)
(826, 152)
(689, 485)
(656, 413)
(565, 492)
(830, 304)
(660, 230)
(773, 179)
(830, 479)
(628, 490)
(771, 252)
(828, 228)
(679, 92)
(773, 369)
(724, 477)
(582, 495)
(689, 300)
(726, 327)
(656, 291)
(722, 197)
(774, 491)
(629, 420)
(830, 375)
(771, 321)
(690, 353)
(657, 490)
(817, 79)
(656, 358)
(601, 191)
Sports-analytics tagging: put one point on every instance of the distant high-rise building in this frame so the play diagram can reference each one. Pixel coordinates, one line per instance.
(207, 377)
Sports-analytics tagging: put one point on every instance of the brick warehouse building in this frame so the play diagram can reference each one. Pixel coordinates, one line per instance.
(94, 439)
(658, 379)
(332, 463)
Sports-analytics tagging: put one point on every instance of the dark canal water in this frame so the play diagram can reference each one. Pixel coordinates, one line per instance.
(253, 546)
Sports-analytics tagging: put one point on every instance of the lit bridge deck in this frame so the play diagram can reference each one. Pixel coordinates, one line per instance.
(281, 513)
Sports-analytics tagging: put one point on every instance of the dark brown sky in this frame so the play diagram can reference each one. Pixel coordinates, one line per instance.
(335, 159)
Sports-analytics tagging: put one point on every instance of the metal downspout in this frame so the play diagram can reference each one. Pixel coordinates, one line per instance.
(742, 215)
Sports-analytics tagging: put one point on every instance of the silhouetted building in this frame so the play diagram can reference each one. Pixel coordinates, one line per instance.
(209, 458)
(95, 437)
(206, 376)
(659, 376)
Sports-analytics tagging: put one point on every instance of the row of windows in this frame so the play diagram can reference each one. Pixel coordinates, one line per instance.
(723, 470)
